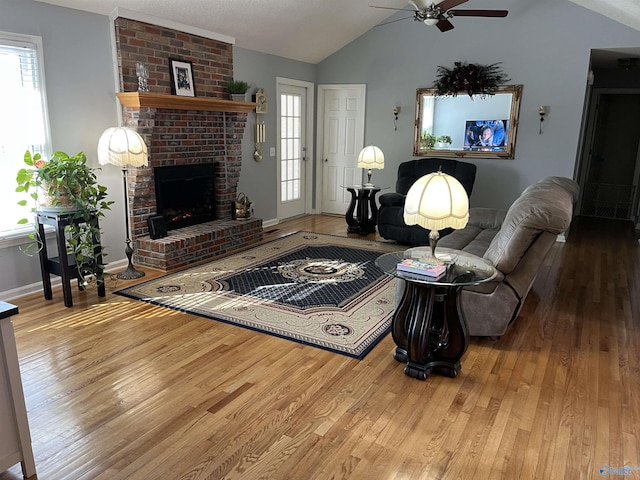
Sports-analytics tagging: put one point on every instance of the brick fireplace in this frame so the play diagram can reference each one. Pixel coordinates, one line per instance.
(182, 136)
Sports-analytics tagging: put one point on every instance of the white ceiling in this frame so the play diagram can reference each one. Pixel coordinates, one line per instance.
(305, 30)
(626, 12)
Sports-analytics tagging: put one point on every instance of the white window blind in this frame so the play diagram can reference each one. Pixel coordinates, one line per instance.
(23, 122)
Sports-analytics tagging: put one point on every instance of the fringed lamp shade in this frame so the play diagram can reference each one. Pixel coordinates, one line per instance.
(122, 147)
(370, 157)
(436, 201)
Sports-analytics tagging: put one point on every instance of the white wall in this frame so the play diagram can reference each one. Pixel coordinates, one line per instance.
(81, 103)
(393, 60)
(544, 45)
(258, 180)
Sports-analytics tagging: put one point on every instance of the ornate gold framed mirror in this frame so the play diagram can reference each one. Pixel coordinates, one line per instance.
(461, 126)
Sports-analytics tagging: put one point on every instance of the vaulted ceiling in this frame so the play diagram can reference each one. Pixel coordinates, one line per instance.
(626, 12)
(307, 30)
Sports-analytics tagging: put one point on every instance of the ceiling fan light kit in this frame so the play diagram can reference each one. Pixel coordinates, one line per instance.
(430, 21)
(439, 14)
(628, 63)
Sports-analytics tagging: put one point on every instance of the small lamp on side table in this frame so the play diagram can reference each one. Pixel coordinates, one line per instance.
(436, 201)
(124, 148)
(370, 157)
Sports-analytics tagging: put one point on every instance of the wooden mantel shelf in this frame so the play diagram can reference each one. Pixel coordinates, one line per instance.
(176, 102)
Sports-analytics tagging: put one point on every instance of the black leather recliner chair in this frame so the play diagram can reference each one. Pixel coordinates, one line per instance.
(391, 224)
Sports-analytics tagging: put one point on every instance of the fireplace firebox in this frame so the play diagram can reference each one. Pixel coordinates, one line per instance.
(185, 194)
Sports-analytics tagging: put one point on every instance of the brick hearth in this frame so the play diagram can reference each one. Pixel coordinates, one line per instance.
(179, 137)
(192, 244)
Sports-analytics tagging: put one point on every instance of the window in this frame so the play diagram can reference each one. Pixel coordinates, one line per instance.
(290, 147)
(23, 123)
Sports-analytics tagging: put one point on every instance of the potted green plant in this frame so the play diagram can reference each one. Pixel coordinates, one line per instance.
(427, 140)
(238, 90)
(443, 141)
(67, 184)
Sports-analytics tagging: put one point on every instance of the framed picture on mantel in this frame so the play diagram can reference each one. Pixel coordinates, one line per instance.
(182, 78)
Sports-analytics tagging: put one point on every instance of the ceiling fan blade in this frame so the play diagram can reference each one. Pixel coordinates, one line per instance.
(393, 21)
(479, 13)
(419, 4)
(444, 25)
(391, 8)
(445, 5)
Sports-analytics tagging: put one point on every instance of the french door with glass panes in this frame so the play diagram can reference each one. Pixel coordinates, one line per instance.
(293, 151)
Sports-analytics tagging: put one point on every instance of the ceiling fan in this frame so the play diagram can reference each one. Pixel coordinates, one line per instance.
(438, 14)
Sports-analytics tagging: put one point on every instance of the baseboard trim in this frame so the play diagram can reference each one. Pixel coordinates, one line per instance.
(270, 223)
(56, 281)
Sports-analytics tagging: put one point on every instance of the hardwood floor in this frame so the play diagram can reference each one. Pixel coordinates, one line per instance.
(119, 389)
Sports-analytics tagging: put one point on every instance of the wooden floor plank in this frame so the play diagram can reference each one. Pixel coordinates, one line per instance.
(119, 389)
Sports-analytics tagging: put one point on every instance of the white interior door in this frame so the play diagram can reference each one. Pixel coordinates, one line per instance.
(342, 108)
(292, 181)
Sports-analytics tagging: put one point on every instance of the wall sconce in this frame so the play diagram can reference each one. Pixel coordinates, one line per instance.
(260, 139)
(396, 111)
(628, 63)
(543, 111)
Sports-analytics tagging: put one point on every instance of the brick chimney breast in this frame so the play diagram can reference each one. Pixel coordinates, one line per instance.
(182, 137)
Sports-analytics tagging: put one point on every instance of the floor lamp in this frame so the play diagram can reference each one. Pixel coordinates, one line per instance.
(124, 148)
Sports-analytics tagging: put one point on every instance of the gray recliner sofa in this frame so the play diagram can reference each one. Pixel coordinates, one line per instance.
(516, 242)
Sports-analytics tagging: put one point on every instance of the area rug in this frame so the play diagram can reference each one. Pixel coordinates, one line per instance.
(317, 289)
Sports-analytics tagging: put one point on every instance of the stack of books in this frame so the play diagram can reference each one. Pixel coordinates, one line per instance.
(422, 268)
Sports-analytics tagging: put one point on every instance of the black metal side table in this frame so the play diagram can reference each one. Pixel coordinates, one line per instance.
(64, 265)
(430, 334)
(363, 202)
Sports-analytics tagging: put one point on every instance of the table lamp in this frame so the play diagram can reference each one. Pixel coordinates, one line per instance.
(124, 148)
(370, 157)
(436, 201)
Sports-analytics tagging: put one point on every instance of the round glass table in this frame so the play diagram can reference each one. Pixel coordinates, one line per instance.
(427, 327)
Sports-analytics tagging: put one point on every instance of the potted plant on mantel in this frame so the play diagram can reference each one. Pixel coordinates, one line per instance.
(444, 141)
(238, 90)
(67, 184)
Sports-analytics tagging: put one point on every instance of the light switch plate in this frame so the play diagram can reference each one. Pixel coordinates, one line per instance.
(272, 151)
